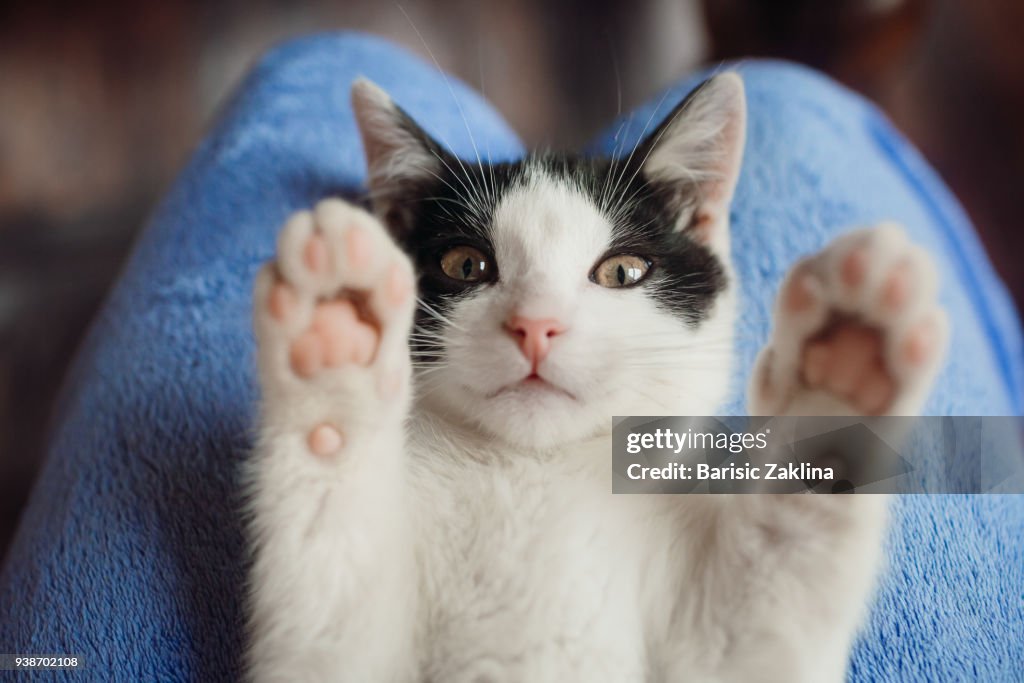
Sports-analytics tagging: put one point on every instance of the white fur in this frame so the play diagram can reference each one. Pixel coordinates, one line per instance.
(473, 537)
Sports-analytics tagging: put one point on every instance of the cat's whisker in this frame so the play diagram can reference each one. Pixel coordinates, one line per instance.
(636, 145)
(434, 313)
(675, 352)
(667, 341)
(423, 331)
(675, 342)
(614, 158)
(695, 363)
(472, 195)
(458, 201)
(426, 363)
(651, 344)
(487, 145)
(651, 354)
(451, 91)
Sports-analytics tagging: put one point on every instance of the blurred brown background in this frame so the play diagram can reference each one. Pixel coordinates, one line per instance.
(100, 103)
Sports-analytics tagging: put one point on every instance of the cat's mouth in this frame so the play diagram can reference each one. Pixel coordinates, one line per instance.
(533, 384)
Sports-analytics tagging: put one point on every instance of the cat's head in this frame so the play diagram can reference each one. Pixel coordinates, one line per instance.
(558, 291)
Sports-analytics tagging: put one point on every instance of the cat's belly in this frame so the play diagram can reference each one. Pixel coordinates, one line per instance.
(530, 571)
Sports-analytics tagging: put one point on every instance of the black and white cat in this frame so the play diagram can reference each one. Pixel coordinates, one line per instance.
(431, 492)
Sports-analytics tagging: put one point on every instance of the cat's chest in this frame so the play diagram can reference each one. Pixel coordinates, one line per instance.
(530, 564)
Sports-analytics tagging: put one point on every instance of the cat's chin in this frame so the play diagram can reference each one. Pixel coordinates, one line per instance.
(532, 413)
(532, 388)
(540, 433)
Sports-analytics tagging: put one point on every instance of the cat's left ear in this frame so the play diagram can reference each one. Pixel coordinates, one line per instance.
(696, 154)
(401, 158)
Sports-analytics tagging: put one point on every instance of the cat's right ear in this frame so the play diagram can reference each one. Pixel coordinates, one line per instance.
(697, 153)
(401, 158)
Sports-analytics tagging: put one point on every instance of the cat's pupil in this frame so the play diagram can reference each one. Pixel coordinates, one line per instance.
(467, 268)
(621, 274)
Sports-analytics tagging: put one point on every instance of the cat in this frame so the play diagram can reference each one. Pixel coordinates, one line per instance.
(430, 491)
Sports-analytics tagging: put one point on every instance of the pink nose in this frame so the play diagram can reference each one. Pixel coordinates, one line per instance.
(534, 336)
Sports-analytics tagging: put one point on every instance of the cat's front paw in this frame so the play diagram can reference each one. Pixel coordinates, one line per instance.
(857, 330)
(332, 315)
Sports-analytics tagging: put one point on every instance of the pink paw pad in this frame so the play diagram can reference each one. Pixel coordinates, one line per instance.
(281, 301)
(855, 348)
(316, 254)
(896, 290)
(846, 363)
(307, 354)
(917, 347)
(325, 440)
(799, 297)
(854, 268)
(347, 339)
(358, 248)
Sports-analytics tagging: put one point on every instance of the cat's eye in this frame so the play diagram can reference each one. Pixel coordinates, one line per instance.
(620, 270)
(466, 264)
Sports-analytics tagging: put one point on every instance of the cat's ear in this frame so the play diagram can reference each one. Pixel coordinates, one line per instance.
(696, 154)
(401, 157)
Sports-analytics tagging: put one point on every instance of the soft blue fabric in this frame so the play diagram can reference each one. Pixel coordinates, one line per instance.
(130, 552)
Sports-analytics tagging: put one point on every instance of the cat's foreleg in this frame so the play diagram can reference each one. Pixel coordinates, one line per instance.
(332, 590)
(857, 331)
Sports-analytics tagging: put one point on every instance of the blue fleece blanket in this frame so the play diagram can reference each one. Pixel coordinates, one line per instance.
(130, 552)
